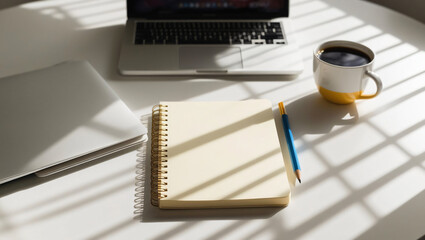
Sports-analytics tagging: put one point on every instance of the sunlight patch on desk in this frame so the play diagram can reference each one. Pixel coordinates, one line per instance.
(265, 235)
(290, 99)
(232, 92)
(316, 138)
(237, 229)
(95, 10)
(50, 215)
(391, 55)
(401, 117)
(207, 229)
(312, 137)
(77, 193)
(247, 230)
(88, 14)
(312, 166)
(112, 22)
(53, 13)
(355, 216)
(396, 192)
(260, 90)
(169, 230)
(393, 96)
(41, 4)
(377, 161)
(360, 34)
(414, 143)
(330, 14)
(76, 4)
(298, 2)
(187, 231)
(412, 62)
(355, 140)
(382, 42)
(329, 30)
(293, 91)
(307, 8)
(316, 200)
(101, 19)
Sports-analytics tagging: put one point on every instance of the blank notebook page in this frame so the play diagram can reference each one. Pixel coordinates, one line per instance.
(224, 154)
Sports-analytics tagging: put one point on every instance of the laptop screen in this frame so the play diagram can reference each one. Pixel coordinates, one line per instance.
(207, 9)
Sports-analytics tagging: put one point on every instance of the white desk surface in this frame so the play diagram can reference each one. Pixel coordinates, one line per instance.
(363, 164)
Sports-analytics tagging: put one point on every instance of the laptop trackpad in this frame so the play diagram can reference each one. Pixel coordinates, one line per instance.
(210, 58)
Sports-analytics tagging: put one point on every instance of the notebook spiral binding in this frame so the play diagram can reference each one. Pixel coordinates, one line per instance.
(159, 157)
(140, 180)
(141, 169)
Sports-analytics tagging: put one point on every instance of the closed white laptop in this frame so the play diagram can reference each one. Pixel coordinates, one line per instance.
(230, 37)
(59, 114)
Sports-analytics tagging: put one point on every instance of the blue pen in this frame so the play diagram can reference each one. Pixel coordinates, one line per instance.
(290, 142)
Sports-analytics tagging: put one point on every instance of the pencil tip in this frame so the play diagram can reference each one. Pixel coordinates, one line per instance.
(299, 180)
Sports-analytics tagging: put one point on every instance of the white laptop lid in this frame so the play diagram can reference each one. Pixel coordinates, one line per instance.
(56, 114)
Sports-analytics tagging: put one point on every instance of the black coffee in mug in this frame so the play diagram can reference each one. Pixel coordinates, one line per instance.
(344, 56)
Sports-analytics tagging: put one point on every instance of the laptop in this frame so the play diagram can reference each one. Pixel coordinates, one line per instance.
(60, 117)
(218, 37)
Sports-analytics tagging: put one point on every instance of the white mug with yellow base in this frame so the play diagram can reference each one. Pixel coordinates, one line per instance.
(342, 69)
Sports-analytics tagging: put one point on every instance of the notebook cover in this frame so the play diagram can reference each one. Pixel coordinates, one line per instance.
(223, 154)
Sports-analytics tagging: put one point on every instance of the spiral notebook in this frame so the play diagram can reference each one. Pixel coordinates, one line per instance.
(216, 155)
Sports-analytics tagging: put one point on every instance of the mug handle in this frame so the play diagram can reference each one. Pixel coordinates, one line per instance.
(378, 83)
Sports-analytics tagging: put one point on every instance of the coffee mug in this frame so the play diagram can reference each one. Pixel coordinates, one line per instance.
(342, 69)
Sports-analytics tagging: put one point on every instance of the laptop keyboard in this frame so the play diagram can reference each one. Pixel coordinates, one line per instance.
(149, 33)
